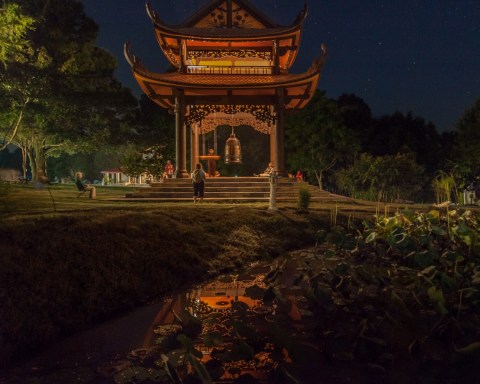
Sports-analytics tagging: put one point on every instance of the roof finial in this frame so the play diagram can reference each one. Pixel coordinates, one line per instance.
(319, 62)
(302, 15)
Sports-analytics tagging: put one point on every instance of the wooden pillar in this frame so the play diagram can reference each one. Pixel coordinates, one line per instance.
(195, 147)
(280, 134)
(276, 61)
(273, 144)
(180, 136)
(183, 53)
(192, 146)
(215, 138)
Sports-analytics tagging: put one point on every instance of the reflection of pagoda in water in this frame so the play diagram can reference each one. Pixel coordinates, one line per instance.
(219, 305)
(220, 294)
(214, 296)
(231, 68)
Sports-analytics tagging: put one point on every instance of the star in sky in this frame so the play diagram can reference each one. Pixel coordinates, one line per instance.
(423, 55)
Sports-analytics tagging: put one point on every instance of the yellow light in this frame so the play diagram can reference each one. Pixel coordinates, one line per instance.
(214, 63)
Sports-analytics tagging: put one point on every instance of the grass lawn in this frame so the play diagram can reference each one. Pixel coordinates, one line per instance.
(26, 199)
(17, 200)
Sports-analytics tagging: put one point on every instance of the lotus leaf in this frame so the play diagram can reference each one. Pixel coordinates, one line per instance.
(255, 292)
(436, 295)
(424, 258)
(213, 339)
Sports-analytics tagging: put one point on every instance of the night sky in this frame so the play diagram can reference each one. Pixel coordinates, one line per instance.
(419, 56)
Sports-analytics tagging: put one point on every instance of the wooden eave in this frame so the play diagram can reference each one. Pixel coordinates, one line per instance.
(227, 89)
(288, 40)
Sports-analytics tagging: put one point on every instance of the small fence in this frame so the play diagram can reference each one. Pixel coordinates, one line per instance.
(201, 70)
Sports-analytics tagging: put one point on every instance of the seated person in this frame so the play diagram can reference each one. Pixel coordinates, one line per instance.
(269, 171)
(299, 176)
(85, 187)
(169, 169)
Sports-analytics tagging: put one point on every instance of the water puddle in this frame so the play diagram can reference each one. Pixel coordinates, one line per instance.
(238, 328)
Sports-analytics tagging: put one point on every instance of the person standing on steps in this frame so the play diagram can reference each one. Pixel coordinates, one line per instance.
(198, 181)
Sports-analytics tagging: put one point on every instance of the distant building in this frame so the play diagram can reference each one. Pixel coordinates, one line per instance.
(114, 176)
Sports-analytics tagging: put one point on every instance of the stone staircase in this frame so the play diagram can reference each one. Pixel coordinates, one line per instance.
(230, 189)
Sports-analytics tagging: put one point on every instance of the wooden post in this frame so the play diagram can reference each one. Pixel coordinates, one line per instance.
(195, 146)
(273, 144)
(280, 134)
(183, 53)
(280, 141)
(215, 137)
(276, 61)
(180, 136)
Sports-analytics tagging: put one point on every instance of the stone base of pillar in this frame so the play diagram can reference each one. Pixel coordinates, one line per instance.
(183, 175)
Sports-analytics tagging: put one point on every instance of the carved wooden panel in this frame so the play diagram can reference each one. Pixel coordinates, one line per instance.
(218, 18)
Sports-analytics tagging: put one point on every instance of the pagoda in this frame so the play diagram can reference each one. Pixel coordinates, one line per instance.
(231, 68)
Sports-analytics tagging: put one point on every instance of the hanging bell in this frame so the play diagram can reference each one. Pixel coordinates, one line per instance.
(233, 151)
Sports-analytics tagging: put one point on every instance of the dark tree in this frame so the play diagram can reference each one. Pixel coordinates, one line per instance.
(357, 117)
(468, 136)
(62, 96)
(404, 133)
(317, 139)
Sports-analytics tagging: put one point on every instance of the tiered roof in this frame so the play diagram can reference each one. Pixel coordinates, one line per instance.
(227, 88)
(228, 53)
(210, 29)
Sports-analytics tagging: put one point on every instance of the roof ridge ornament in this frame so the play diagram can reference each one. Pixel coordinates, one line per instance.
(301, 16)
(153, 15)
(319, 61)
(133, 60)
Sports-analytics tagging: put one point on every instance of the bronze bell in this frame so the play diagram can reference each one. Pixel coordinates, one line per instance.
(233, 150)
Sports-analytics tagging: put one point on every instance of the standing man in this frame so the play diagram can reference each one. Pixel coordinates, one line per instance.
(198, 180)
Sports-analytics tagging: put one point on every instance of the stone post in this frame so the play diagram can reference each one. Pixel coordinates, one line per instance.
(273, 179)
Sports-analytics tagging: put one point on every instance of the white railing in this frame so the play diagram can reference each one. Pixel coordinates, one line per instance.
(201, 70)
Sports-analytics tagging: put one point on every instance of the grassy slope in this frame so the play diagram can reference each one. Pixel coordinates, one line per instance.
(64, 268)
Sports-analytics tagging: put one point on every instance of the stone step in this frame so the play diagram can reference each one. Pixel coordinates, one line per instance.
(230, 179)
(333, 198)
(233, 188)
(216, 194)
(229, 189)
(230, 196)
(224, 190)
(224, 182)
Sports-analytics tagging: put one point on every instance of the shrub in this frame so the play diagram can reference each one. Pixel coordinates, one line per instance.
(382, 178)
(304, 197)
